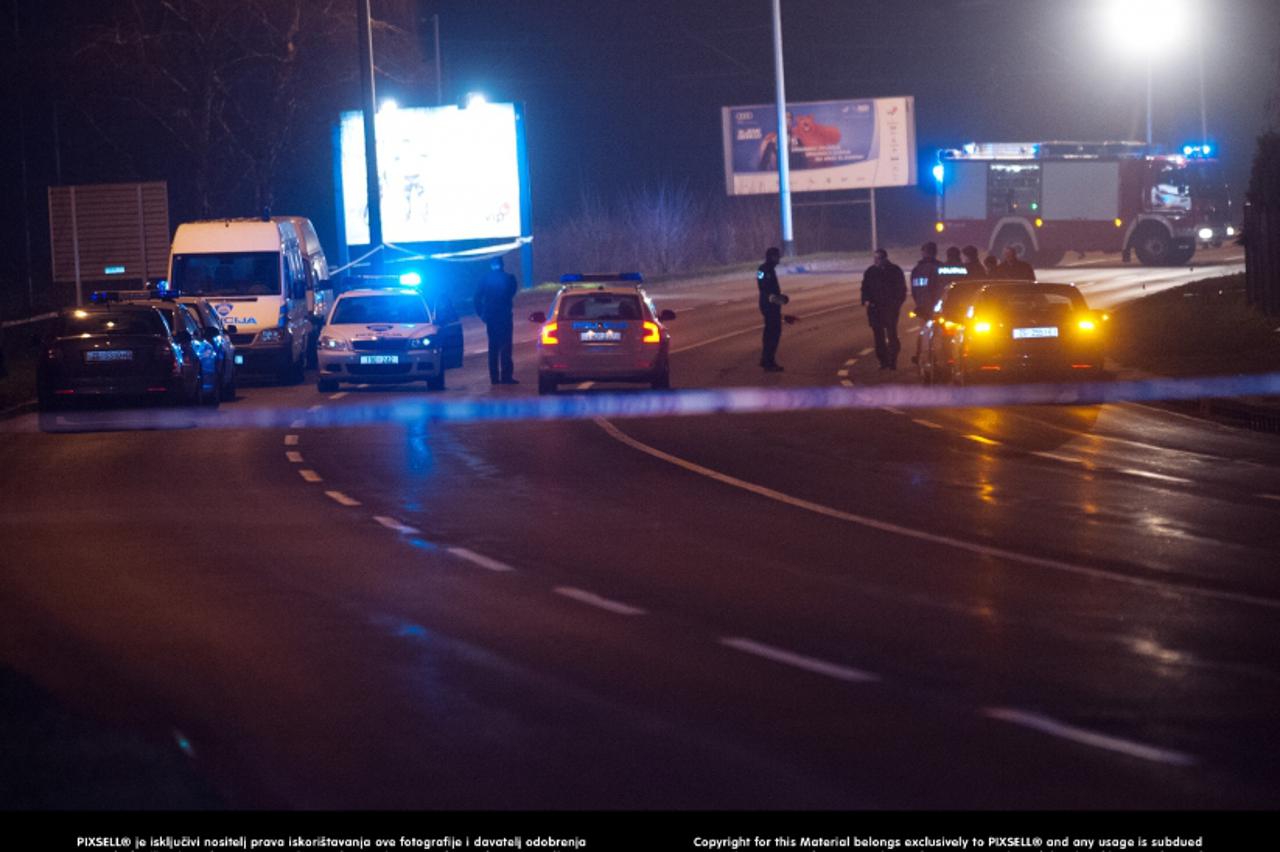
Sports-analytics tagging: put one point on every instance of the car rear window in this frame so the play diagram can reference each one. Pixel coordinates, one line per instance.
(601, 306)
(1033, 300)
(111, 322)
(379, 309)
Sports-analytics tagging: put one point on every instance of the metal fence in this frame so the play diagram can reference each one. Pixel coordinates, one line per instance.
(1262, 257)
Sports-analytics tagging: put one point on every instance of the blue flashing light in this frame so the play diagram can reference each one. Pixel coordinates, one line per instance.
(410, 279)
(113, 270)
(570, 277)
(576, 277)
(1197, 152)
(939, 172)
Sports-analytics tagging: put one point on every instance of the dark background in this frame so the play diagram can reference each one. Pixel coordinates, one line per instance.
(627, 96)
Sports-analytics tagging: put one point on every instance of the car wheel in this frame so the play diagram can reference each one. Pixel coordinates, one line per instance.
(662, 381)
(436, 382)
(196, 395)
(327, 385)
(546, 384)
(229, 390)
(213, 398)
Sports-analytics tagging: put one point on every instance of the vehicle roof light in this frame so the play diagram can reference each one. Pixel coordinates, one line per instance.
(410, 279)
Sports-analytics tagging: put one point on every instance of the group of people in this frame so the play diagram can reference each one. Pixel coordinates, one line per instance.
(884, 290)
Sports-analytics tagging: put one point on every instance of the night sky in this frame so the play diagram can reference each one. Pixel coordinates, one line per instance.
(624, 95)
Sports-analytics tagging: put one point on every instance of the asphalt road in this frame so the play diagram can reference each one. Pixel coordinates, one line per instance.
(1011, 607)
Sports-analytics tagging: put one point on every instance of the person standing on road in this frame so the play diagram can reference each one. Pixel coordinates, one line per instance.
(1014, 268)
(771, 302)
(924, 279)
(884, 289)
(494, 298)
(972, 263)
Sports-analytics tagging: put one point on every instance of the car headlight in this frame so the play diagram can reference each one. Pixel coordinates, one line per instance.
(271, 335)
(333, 343)
(1206, 233)
(420, 343)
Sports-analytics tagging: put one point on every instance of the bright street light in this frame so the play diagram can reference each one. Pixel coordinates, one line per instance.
(1147, 29)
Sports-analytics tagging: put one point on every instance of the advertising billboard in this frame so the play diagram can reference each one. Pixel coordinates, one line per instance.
(832, 145)
(446, 173)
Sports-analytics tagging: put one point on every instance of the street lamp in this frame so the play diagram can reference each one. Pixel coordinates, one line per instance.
(1147, 29)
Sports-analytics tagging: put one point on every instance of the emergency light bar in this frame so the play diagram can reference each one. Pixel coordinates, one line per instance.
(577, 277)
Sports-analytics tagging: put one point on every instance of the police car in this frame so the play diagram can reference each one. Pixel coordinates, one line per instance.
(381, 336)
(603, 328)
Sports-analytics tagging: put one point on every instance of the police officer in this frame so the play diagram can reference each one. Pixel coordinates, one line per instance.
(771, 302)
(884, 289)
(493, 303)
(924, 279)
(972, 263)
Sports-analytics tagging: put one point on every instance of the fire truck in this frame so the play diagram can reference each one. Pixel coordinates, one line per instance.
(1048, 198)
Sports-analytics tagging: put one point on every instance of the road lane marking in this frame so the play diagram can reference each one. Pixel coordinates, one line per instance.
(892, 410)
(393, 524)
(297, 424)
(590, 599)
(755, 329)
(338, 395)
(1090, 738)
(983, 440)
(851, 362)
(927, 423)
(1268, 496)
(1061, 457)
(586, 385)
(865, 352)
(339, 497)
(293, 456)
(291, 440)
(310, 475)
(933, 538)
(842, 373)
(480, 559)
(799, 661)
(1132, 471)
(316, 407)
(846, 383)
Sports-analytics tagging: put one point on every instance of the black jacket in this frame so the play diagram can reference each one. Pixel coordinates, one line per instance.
(767, 282)
(495, 295)
(884, 287)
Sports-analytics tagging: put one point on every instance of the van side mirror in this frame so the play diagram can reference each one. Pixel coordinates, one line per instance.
(537, 316)
(230, 329)
(666, 316)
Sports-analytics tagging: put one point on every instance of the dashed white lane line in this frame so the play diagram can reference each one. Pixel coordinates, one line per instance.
(1146, 474)
(865, 352)
(297, 424)
(851, 362)
(339, 497)
(842, 373)
(397, 526)
(755, 329)
(291, 440)
(927, 423)
(846, 383)
(892, 410)
(934, 538)
(338, 395)
(293, 456)
(1090, 738)
(1062, 457)
(480, 559)
(310, 475)
(799, 661)
(316, 407)
(982, 439)
(591, 599)
(1268, 496)
(586, 385)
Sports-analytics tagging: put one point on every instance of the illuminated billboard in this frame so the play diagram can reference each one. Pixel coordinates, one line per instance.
(832, 145)
(446, 173)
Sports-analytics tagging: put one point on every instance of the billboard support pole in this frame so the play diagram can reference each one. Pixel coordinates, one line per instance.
(784, 138)
(875, 239)
(365, 39)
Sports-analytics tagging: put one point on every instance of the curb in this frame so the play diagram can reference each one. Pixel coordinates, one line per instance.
(1227, 411)
(18, 410)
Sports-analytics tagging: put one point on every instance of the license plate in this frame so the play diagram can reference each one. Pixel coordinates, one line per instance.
(239, 359)
(1041, 331)
(600, 337)
(379, 359)
(109, 355)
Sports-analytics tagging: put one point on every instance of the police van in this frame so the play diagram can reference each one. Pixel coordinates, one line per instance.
(254, 274)
(319, 286)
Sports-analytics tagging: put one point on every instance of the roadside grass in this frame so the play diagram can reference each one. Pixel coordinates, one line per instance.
(1204, 328)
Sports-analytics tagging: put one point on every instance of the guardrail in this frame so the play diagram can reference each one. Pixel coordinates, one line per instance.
(37, 318)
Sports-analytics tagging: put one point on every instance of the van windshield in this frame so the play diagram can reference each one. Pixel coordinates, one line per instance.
(230, 274)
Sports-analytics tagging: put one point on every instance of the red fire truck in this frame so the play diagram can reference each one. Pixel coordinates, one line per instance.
(1048, 198)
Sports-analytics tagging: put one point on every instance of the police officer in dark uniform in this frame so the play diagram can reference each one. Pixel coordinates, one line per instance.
(493, 303)
(884, 289)
(771, 302)
(924, 280)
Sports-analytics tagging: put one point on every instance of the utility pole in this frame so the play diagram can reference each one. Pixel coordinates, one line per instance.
(22, 155)
(365, 37)
(784, 137)
(435, 24)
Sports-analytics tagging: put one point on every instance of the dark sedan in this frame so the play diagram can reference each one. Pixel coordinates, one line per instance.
(124, 351)
(936, 350)
(1029, 331)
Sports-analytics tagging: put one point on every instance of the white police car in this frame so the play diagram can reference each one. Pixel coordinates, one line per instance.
(381, 336)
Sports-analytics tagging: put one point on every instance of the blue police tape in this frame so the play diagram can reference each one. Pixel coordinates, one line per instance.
(683, 403)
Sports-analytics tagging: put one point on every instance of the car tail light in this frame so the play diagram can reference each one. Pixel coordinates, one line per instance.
(651, 333)
(983, 327)
(1086, 325)
(549, 337)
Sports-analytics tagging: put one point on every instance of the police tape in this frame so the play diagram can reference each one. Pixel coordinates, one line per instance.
(583, 405)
